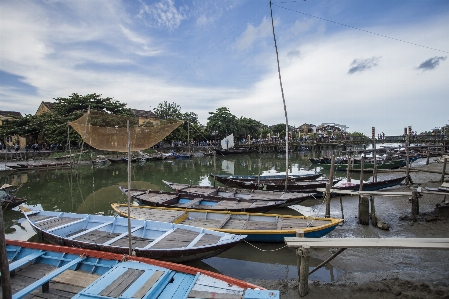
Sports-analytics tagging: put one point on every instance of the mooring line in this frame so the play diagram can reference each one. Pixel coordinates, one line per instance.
(264, 249)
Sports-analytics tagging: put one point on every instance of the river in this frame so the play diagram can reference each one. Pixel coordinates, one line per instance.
(88, 189)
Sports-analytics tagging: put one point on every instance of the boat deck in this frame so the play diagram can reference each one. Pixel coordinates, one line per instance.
(222, 220)
(102, 234)
(62, 286)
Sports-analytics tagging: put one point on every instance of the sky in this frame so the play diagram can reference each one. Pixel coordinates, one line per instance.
(362, 64)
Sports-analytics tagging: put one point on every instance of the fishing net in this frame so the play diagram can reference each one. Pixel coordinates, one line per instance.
(109, 132)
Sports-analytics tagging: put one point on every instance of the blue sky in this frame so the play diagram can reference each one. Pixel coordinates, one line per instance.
(360, 63)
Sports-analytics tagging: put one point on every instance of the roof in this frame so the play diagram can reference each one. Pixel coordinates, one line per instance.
(10, 113)
(49, 105)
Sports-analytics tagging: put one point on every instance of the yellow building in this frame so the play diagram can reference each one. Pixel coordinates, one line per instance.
(11, 140)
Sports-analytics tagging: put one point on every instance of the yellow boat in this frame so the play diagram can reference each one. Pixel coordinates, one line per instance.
(258, 227)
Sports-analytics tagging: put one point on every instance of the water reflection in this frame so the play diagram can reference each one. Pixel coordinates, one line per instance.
(85, 189)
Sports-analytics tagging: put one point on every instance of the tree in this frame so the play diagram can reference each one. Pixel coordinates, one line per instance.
(249, 126)
(222, 123)
(75, 105)
(279, 129)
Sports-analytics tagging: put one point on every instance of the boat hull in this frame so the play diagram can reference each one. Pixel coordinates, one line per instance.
(257, 227)
(150, 239)
(83, 273)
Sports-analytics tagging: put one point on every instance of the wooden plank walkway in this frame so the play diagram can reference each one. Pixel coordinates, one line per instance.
(303, 246)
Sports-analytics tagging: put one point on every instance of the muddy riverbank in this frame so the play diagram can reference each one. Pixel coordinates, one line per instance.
(385, 273)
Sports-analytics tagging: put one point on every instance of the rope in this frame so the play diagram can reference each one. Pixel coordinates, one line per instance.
(264, 249)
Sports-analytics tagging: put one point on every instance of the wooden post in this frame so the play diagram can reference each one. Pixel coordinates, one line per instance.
(373, 212)
(428, 155)
(407, 161)
(444, 170)
(374, 156)
(4, 265)
(341, 206)
(302, 254)
(348, 175)
(362, 161)
(363, 210)
(328, 188)
(415, 205)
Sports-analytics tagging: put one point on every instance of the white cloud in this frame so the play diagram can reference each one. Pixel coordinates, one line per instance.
(163, 14)
(253, 34)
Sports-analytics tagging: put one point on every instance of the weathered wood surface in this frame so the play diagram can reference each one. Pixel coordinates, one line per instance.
(421, 243)
(381, 193)
(227, 221)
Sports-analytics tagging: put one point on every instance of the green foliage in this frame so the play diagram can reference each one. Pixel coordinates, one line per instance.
(189, 130)
(222, 123)
(75, 105)
(278, 129)
(249, 126)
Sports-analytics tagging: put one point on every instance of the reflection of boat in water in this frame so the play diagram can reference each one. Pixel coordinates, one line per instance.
(101, 199)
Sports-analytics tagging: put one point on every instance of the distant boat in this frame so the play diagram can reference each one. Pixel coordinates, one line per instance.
(380, 165)
(257, 227)
(370, 186)
(52, 271)
(301, 186)
(151, 239)
(202, 202)
(228, 180)
(7, 200)
(24, 167)
(227, 147)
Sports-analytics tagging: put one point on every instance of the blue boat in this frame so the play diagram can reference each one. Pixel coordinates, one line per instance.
(51, 271)
(151, 239)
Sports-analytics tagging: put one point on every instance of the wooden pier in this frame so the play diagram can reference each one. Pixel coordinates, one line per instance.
(303, 246)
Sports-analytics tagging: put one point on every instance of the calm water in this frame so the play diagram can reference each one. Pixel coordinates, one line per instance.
(87, 189)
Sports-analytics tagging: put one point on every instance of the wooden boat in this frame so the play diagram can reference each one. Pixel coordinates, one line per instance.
(117, 160)
(22, 167)
(9, 201)
(290, 198)
(51, 271)
(257, 227)
(302, 186)
(228, 180)
(382, 165)
(201, 202)
(12, 202)
(233, 151)
(158, 240)
(370, 186)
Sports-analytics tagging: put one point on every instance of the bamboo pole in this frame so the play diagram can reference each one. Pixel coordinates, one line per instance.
(328, 188)
(4, 265)
(129, 189)
(362, 161)
(375, 160)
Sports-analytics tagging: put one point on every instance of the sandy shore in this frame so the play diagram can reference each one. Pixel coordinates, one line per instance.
(384, 273)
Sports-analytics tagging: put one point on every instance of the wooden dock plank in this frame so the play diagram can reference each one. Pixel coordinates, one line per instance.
(422, 243)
